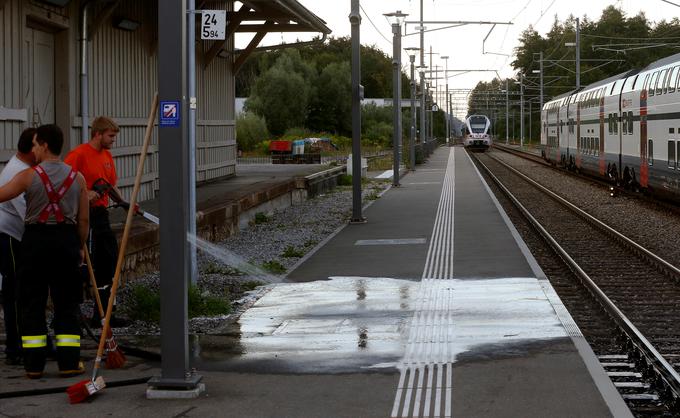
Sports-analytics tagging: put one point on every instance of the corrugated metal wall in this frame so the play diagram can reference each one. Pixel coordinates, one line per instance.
(122, 80)
(215, 130)
(11, 29)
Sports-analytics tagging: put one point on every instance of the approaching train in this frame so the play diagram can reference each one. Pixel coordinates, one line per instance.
(626, 128)
(477, 135)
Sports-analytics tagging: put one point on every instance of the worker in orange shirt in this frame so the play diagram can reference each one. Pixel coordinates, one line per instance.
(94, 161)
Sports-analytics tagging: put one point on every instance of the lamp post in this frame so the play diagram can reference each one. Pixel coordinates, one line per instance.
(577, 45)
(521, 110)
(412, 144)
(355, 21)
(396, 18)
(446, 111)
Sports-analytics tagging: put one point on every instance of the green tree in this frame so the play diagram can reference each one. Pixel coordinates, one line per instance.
(281, 95)
(251, 129)
(331, 108)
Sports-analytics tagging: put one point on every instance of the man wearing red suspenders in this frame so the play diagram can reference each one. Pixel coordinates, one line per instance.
(56, 227)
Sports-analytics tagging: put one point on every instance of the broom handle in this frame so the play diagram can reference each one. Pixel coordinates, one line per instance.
(93, 281)
(126, 233)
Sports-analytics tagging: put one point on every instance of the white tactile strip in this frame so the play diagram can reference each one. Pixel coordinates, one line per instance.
(446, 319)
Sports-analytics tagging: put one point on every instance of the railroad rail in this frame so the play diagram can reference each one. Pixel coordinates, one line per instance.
(637, 290)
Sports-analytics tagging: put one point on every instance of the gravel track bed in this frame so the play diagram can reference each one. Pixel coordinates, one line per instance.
(649, 225)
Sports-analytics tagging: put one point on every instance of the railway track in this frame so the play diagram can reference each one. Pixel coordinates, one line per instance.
(623, 298)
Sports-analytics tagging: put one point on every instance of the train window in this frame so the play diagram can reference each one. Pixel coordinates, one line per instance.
(652, 83)
(640, 82)
(673, 79)
(630, 122)
(671, 130)
(597, 146)
(650, 152)
(610, 123)
(661, 82)
(671, 154)
(615, 117)
(677, 155)
(624, 123)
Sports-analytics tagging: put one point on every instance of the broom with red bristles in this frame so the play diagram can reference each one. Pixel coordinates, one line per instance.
(115, 358)
(86, 388)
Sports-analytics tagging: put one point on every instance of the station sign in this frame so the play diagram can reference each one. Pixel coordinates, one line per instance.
(213, 24)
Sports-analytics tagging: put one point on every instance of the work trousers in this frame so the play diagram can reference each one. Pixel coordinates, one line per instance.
(10, 249)
(49, 264)
(103, 251)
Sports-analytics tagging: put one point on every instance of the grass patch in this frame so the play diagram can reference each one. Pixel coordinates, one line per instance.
(205, 304)
(223, 269)
(310, 243)
(273, 266)
(145, 303)
(260, 218)
(250, 285)
(345, 180)
(292, 252)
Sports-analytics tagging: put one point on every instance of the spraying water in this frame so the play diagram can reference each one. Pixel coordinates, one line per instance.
(233, 260)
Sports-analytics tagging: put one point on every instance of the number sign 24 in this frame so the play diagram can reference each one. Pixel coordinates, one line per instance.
(213, 24)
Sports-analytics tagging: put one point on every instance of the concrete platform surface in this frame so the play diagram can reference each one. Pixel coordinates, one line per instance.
(432, 308)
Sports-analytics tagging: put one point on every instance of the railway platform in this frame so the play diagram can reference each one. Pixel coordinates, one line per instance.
(433, 308)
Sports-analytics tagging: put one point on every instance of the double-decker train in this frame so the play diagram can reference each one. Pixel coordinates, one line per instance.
(477, 135)
(626, 128)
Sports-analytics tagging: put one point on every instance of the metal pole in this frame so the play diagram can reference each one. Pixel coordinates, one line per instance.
(430, 134)
(396, 99)
(423, 132)
(446, 92)
(530, 121)
(173, 176)
(191, 52)
(355, 21)
(507, 113)
(412, 145)
(578, 54)
(521, 110)
(541, 70)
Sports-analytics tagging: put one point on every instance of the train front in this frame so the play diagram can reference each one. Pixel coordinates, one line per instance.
(477, 137)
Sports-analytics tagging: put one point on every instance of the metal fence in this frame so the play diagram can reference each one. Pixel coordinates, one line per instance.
(337, 158)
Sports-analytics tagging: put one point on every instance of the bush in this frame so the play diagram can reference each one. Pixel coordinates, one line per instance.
(251, 129)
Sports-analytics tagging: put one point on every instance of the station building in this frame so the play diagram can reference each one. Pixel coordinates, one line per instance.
(63, 61)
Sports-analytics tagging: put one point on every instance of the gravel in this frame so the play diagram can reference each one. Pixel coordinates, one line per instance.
(653, 226)
(243, 266)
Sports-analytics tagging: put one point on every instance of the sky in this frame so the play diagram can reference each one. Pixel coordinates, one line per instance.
(463, 45)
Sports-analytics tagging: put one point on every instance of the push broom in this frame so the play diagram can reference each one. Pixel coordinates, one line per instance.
(86, 388)
(115, 358)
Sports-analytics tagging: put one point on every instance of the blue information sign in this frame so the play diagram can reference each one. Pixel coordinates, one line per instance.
(170, 113)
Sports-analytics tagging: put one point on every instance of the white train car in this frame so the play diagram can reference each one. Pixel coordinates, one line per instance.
(626, 128)
(477, 135)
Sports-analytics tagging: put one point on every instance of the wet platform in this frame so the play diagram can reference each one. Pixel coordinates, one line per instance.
(432, 308)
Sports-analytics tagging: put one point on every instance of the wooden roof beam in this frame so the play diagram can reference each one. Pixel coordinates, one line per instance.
(233, 25)
(248, 50)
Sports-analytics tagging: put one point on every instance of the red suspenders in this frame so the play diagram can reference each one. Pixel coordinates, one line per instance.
(54, 196)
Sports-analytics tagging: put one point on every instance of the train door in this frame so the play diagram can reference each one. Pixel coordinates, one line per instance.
(600, 142)
(38, 83)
